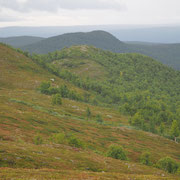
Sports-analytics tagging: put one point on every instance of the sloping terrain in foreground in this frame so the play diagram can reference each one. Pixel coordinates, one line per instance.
(29, 121)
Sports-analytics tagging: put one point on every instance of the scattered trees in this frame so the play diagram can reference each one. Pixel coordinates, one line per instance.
(142, 88)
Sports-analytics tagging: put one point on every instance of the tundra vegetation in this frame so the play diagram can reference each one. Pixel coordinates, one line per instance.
(103, 112)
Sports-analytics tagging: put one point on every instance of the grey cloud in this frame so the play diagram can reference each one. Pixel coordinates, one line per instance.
(9, 19)
(54, 5)
(5, 18)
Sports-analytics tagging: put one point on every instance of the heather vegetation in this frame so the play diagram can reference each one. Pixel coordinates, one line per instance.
(64, 120)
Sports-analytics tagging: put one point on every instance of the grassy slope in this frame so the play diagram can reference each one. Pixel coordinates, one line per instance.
(25, 112)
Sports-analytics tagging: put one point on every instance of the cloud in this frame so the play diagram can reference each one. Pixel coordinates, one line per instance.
(9, 19)
(55, 5)
(7, 15)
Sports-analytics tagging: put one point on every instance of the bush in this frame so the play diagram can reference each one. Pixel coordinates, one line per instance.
(38, 140)
(73, 141)
(58, 138)
(178, 170)
(88, 112)
(44, 87)
(53, 90)
(56, 99)
(117, 152)
(167, 164)
(99, 118)
(146, 158)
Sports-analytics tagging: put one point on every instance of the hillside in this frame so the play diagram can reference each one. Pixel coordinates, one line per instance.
(136, 83)
(28, 116)
(20, 41)
(166, 53)
(99, 39)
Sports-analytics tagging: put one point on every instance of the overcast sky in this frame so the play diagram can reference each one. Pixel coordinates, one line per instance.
(88, 12)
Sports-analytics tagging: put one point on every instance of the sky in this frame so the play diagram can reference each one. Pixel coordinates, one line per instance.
(88, 12)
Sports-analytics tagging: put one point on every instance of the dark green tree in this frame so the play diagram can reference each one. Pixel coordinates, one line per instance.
(116, 152)
(146, 158)
(99, 118)
(88, 112)
(167, 164)
(56, 99)
(174, 130)
(44, 87)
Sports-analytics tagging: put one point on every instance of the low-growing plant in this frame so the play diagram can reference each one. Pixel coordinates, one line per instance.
(38, 140)
(99, 118)
(74, 141)
(168, 164)
(116, 152)
(146, 158)
(58, 138)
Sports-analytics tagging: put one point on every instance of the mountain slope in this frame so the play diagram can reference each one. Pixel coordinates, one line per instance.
(166, 53)
(138, 84)
(99, 39)
(20, 41)
(27, 114)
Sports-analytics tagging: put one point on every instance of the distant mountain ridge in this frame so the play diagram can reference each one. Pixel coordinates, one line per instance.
(168, 54)
(20, 41)
(99, 39)
(144, 33)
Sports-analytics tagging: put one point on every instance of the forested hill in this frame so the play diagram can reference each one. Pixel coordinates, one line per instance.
(99, 39)
(166, 53)
(142, 87)
(20, 41)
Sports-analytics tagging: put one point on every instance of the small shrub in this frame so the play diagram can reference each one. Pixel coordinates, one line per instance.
(38, 140)
(56, 99)
(178, 170)
(58, 138)
(146, 158)
(99, 118)
(73, 141)
(53, 90)
(88, 112)
(117, 152)
(44, 87)
(167, 164)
